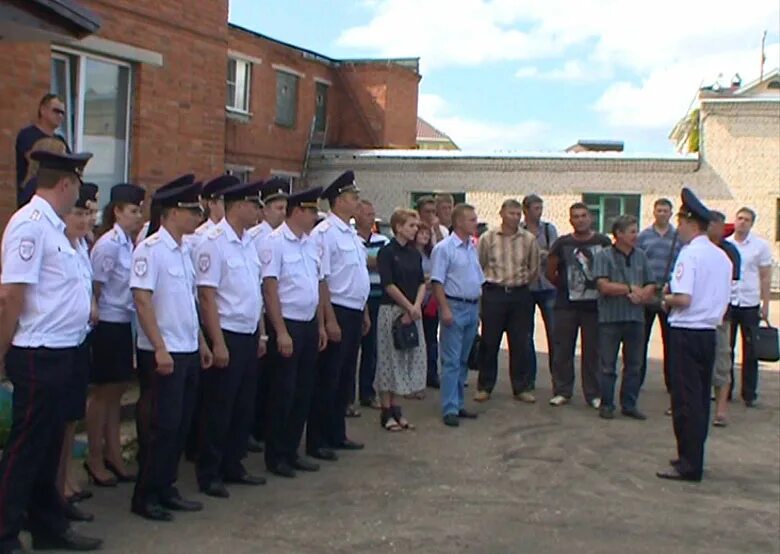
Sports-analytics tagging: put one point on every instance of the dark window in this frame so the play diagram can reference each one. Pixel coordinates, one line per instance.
(607, 207)
(320, 107)
(286, 98)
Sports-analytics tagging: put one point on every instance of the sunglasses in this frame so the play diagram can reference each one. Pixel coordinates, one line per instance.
(58, 111)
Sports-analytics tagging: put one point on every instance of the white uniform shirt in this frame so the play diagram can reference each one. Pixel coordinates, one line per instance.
(258, 234)
(112, 257)
(298, 266)
(703, 271)
(85, 267)
(754, 253)
(348, 281)
(195, 239)
(162, 266)
(230, 265)
(142, 233)
(36, 252)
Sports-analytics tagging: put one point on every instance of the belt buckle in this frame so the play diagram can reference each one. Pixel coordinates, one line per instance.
(507, 289)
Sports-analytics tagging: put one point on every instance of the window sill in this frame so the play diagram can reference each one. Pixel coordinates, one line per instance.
(238, 115)
(285, 126)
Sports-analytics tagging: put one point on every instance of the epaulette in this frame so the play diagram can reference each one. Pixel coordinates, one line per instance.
(254, 231)
(114, 235)
(151, 241)
(324, 225)
(215, 232)
(200, 230)
(35, 215)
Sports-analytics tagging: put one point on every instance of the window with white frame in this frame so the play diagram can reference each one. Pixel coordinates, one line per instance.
(239, 77)
(291, 178)
(96, 92)
(243, 172)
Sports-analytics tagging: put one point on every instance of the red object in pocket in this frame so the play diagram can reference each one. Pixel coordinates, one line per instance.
(431, 309)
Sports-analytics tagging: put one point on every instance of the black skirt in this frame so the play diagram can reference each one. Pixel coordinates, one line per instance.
(76, 389)
(112, 353)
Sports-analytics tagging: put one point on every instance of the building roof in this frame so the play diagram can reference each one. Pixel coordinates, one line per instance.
(73, 13)
(42, 20)
(597, 146)
(335, 153)
(426, 131)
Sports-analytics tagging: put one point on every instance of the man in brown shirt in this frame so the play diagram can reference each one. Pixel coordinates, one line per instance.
(509, 257)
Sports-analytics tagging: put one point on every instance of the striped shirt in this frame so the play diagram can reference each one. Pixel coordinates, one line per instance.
(657, 248)
(616, 267)
(509, 260)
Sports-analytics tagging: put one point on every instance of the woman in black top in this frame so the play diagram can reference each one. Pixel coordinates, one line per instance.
(399, 372)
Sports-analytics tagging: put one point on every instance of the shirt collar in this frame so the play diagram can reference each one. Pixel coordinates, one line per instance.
(700, 238)
(167, 238)
(229, 231)
(120, 233)
(289, 235)
(460, 242)
(339, 223)
(43, 205)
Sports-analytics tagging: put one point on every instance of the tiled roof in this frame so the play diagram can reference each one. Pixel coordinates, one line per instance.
(426, 131)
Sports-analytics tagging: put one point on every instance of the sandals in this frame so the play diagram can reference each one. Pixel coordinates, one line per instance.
(388, 422)
(402, 421)
(419, 395)
(352, 412)
(720, 421)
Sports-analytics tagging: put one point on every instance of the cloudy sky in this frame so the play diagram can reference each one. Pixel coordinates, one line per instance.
(506, 75)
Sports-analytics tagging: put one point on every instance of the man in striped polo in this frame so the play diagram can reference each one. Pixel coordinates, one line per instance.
(626, 283)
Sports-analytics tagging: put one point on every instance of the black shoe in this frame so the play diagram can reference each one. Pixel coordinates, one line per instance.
(323, 454)
(633, 413)
(75, 514)
(110, 482)
(465, 414)
(675, 475)
(433, 384)
(451, 420)
(246, 479)
(751, 403)
(605, 412)
(282, 469)
(216, 489)
(153, 512)
(255, 446)
(179, 504)
(67, 540)
(119, 476)
(347, 444)
(304, 465)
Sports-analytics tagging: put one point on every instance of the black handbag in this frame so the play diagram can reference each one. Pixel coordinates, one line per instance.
(767, 348)
(405, 337)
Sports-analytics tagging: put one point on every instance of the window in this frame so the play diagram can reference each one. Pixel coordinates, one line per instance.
(459, 197)
(293, 180)
(286, 98)
(243, 172)
(607, 207)
(320, 107)
(96, 92)
(239, 76)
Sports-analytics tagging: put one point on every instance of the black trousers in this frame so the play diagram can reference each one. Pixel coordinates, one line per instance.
(693, 356)
(163, 416)
(567, 323)
(291, 381)
(28, 469)
(366, 390)
(227, 413)
(748, 319)
(650, 315)
(335, 383)
(261, 396)
(505, 311)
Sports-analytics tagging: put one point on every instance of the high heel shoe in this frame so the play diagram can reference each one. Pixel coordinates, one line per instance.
(110, 482)
(122, 478)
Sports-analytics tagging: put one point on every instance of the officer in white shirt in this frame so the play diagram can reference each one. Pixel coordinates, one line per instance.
(45, 311)
(228, 279)
(211, 196)
(749, 299)
(273, 192)
(343, 298)
(171, 349)
(292, 268)
(697, 299)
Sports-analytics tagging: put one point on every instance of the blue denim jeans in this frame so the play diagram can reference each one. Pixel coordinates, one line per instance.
(632, 336)
(545, 300)
(455, 344)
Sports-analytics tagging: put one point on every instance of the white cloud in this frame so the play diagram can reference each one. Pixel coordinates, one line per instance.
(471, 134)
(570, 71)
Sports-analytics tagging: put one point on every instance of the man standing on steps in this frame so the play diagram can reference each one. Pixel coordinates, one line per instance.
(343, 297)
(697, 299)
(660, 245)
(457, 280)
(509, 258)
(750, 299)
(570, 268)
(542, 290)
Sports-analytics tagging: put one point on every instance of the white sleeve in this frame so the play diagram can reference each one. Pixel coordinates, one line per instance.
(23, 246)
(683, 275)
(144, 271)
(103, 258)
(208, 264)
(765, 255)
(271, 258)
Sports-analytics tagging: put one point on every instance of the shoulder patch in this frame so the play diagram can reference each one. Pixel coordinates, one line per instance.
(215, 232)
(140, 266)
(35, 215)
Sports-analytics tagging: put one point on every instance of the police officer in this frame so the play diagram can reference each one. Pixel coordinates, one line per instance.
(211, 196)
(228, 278)
(169, 344)
(292, 269)
(45, 310)
(273, 192)
(698, 296)
(343, 298)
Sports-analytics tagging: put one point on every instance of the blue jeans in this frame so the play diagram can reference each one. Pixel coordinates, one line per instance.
(632, 335)
(545, 300)
(455, 344)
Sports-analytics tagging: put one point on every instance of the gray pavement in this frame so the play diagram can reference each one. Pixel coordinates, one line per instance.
(520, 479)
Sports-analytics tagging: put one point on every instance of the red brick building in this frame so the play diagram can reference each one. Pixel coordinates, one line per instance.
(148, 95)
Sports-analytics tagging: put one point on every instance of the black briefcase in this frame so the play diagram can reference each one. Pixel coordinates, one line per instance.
(767, 347)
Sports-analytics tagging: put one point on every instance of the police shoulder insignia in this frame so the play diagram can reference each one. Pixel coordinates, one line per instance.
(35, 215)
(26, 248)
(140, 266)
(254, 231)
(215, 232)
(200, 230)
(204, 262)
(266, 256)
(679, 271)
(151, 241)
(108, 264)
(325, 225)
